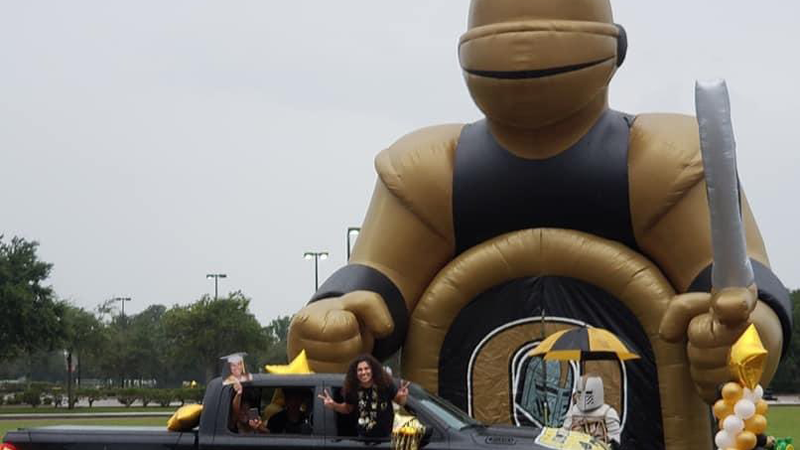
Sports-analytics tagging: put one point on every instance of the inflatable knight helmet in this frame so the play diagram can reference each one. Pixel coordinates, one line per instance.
(512, 50)
(590, 393)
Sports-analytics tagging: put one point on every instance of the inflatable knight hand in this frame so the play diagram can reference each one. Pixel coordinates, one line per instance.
(335, 330)
(712, 323)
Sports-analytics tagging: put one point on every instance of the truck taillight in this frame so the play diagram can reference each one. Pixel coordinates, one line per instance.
(7, 446)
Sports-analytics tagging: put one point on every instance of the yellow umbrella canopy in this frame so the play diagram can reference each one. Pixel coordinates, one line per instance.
(583, 344)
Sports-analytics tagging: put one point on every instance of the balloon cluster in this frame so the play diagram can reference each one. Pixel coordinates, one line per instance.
(408, 436)
(742, 417)
(741, 411)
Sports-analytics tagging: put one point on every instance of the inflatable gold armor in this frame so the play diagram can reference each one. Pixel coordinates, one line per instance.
(553, 211)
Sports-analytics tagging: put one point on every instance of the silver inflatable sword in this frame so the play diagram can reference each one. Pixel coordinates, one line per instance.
(731, 264)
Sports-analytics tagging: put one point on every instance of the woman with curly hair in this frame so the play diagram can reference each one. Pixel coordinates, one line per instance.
(368, 390)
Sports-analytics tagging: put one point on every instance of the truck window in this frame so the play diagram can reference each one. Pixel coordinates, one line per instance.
(285, 410)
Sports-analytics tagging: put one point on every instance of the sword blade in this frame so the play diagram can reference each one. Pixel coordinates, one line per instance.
(729, 249)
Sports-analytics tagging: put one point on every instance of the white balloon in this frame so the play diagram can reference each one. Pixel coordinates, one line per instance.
(758, 392)
(748, 394)
(744, 409)
(733, 425)
(724, 440)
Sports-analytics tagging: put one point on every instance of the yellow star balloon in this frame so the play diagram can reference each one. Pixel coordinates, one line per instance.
(298, 365)
(747, 358)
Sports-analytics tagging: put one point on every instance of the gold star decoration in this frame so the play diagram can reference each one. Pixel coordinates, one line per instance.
(747, 358)
(298, 365)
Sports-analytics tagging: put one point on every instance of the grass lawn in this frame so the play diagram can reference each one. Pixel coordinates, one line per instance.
(784, 421)
(83, 409)
(7, 425)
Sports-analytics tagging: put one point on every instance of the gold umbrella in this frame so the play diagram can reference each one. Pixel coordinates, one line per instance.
(583, 344)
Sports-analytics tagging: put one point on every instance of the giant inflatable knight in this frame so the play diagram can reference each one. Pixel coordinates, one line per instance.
(551, 212)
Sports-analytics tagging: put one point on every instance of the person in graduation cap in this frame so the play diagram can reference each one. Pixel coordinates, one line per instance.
(236, 370)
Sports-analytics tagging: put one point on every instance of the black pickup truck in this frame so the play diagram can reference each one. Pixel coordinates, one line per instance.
(448, 428)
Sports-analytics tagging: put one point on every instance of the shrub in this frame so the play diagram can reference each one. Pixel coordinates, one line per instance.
(57, 399)
(163, 396)
(196, 394)
(32, 397)
(90, 394)
(109, 392)
(180, 395)
(41, 385)
(128, 396)
(147, 396)
(15, 399)
(11, 388)
(189, 395)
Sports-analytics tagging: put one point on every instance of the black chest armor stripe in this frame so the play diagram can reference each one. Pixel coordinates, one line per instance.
(583, 188)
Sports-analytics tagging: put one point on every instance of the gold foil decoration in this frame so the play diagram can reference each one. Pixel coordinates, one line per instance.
(298, 365)
(407, 434)
(747, 358)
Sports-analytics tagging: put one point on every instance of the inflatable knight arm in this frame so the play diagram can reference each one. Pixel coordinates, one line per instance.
(669, 209)
(404, 241)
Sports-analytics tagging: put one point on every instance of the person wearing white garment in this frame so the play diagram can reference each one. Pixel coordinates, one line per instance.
(590, 414)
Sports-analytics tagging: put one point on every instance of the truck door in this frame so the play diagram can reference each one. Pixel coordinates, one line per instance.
(340, 429)
(285, 424)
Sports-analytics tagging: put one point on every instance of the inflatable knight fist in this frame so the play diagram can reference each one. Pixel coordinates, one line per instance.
(552, 212)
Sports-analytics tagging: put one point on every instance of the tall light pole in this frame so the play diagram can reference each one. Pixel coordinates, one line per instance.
(124, 325)
(352, 235)
(68, 358)
(121, 300)
(216, 277)
(316, 256)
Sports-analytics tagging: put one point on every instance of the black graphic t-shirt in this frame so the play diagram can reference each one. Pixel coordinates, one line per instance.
(373, 410)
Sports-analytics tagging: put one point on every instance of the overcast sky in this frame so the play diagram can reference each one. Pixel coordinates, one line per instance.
(145, 143)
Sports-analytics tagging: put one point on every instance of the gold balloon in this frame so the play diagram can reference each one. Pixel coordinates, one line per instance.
(745, 440)
(757, 424)
(732, 393)
(747, 359)
(762, 407)
(722, 409)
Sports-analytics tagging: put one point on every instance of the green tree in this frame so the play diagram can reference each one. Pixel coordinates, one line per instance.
(209, 329)
(279, 328)
(787, 378)
(31, 318)
(146, 343)
(83, 335)
(276, 332)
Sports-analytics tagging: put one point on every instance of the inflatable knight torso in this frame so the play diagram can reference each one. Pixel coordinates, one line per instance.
(552, 212)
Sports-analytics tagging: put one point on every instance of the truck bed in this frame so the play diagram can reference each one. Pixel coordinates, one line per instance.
(98, 437)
